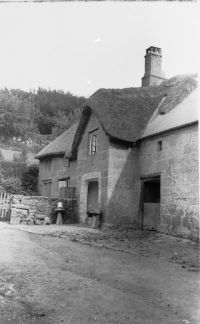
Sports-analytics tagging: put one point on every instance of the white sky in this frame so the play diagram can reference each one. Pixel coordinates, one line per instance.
(82, 46)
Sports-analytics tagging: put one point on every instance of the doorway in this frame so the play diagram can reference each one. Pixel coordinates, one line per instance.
(150, 203)
(92, 196)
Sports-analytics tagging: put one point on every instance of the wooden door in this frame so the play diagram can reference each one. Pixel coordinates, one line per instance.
(92, 197)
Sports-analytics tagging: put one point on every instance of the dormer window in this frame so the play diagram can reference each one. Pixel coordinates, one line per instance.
(93, 142)
(66, 163)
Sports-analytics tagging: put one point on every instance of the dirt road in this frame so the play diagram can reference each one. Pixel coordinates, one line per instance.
(52, 280)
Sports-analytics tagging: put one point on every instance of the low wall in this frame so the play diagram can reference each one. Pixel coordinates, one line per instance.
(29, 210)
(39, 210)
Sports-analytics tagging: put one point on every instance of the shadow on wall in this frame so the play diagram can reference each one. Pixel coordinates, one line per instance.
(123, 186)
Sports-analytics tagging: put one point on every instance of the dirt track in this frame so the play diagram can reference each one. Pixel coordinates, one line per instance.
(52, 280)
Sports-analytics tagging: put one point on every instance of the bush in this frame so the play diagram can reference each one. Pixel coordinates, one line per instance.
(30, 179)
(17, 178)
(12, 169)
(12, 185)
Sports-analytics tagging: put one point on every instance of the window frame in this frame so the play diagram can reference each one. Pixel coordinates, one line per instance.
(93, 139)
(47, 187)
(159, 145)
(66, 162)
(67, 180)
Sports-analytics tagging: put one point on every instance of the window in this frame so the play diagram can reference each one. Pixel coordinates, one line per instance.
(159, 146)
(63, 188)
(47, 188)
(64, 183)
(66, 163)
(93, 142)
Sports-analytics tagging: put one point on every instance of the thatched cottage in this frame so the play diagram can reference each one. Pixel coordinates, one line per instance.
(54, 169)
(134, 154)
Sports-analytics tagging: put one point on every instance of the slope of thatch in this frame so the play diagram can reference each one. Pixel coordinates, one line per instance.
(124, 113)
(61, 145)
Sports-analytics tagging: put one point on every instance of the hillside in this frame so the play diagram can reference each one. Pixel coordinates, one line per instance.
(30, 120)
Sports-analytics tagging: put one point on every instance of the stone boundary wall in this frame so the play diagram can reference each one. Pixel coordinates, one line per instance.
(39, 210)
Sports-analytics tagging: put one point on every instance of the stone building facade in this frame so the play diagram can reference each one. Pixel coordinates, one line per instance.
(92, 170)
(134, 156)
(176, 167)
(123, 184)
(54, 173)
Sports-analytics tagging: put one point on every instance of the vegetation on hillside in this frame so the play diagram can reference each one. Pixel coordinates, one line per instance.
(28, 122)
(16, 177)
(36, 117)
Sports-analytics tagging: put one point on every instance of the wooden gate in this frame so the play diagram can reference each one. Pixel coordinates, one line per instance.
(5, 206)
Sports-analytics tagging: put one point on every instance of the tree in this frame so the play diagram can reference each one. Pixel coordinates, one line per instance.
(36, 117)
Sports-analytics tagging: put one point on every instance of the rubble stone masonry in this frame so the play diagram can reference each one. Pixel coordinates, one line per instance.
(39, 210)
(29, 209)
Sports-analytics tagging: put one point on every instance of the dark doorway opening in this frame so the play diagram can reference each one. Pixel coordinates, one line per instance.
(92, 197)
(150, 203)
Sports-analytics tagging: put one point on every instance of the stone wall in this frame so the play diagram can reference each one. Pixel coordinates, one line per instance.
(92, 167)
(123, 185)
(178, 165)
(30, 210)
(38, 210)
(53, 168)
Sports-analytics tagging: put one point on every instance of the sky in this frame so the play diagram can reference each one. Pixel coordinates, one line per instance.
(83, 46)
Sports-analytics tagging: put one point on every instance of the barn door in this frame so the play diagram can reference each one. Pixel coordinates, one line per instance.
(151, 203)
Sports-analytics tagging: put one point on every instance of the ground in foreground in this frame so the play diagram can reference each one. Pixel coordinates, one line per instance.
(52, 280)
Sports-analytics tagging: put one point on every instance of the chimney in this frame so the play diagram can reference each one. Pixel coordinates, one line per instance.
(153, 73)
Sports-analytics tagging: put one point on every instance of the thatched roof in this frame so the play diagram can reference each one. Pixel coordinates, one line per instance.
(61, 145)
(124, 113)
